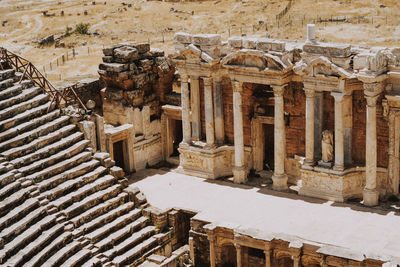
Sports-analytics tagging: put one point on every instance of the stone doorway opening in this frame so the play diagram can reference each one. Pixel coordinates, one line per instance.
(118, 150)
(284, 262)
(268, 133)
(228, 256)
(176, 136)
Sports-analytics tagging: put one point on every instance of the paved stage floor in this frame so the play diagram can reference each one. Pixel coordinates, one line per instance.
(373, 232)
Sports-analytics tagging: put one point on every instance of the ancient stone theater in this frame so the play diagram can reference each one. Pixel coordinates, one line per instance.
(318, 121)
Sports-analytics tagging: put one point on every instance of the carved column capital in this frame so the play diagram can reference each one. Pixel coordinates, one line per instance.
(371, 99)
(184, 78)
(278, 90)
(207, 81)
(237, 86)
(194, 77)
(376, 87)
(338, 96)
(310, 93)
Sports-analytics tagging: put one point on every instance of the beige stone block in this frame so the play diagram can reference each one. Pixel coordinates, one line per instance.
(206, 39)
(266, 44)
(249, 43)
(328, 49)
(182, 38)
(235, 42)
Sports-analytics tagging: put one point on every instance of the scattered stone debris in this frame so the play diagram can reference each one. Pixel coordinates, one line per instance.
(48, 40)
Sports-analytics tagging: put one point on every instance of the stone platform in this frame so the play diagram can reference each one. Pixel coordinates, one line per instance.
(364, 231)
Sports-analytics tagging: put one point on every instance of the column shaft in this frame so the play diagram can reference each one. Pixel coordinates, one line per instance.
(211, 240)
(195, 107)
(239, 171)
(370, 194)
(267, 258)
(318, 122)
(310, 95)
(218, 112)
(279, 178)
(339, 133)
(238, 255)
(209, 112)
(186, 132)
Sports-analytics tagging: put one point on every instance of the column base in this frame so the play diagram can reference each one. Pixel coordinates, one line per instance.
(309, 162)
(338, 167)
(370, 197)
(279, 182)
(239, 175)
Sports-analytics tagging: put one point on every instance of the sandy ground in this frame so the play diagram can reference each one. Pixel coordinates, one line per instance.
(363, 230)
(368, 22)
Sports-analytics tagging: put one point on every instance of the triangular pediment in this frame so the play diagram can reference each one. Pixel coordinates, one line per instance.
(253, 60)
(322, 67)
(192, 54)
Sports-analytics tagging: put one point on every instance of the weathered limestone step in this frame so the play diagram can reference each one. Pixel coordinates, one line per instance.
(26, 115)
(94, 261)
(11, 91)
(62, 254)
(6, 74)
(8, 189)
(18, 212)
(21, 141)
(114, 225)
(39, 148)
(25, 237)
(70, 183)
(6, 83)
(15, 199)
(31, 124)
(116, 237)
(91, 200)
(130, 242)
(51, 161)
(99, 209)
(135, 252)
(77, 258)
(107, 217)
(24, 96)
(23, 106)
(70, 174)
(19, 226)
(48, 250)
(35, 246)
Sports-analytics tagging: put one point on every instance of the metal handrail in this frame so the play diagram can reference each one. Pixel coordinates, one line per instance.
(66, 95)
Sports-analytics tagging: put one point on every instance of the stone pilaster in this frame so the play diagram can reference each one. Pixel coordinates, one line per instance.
(186, 132)
(394, 144)
(310, 105)
(239, 170)
(371, 194)
(296, 261)
(218, 111)
(348, 128)
(209, 112)
(195, 107)
(339, 132)
(238, 255)
(211, 239)
(279, 178)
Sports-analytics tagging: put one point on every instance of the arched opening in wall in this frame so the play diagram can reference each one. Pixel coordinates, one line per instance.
(256, 257)
(118, 150)
(284, 262)
(228, 256)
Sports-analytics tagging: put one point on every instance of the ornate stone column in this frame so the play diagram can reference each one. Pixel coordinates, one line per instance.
(279, 178)
(318, 122)
(394, 145)
(371, 194)
(339, 133)
(218, 111)
(239, 170)
(211, 239)
(195, 107)
(267, 253)
(310, 95)
(296, 261)
(209, 112)
(185, 110)
(238, 255)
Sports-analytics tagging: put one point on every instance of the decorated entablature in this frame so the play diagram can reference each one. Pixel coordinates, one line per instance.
(334, 87)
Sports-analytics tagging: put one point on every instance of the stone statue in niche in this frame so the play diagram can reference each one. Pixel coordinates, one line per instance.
(327, 146)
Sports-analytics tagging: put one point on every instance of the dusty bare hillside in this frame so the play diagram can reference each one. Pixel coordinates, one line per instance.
(369, 22)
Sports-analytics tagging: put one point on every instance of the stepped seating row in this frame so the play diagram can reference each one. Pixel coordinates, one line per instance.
(59, 205)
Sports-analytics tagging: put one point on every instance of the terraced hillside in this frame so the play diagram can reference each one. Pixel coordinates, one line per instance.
(61, 204)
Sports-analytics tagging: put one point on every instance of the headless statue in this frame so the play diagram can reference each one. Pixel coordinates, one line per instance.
(327, 146)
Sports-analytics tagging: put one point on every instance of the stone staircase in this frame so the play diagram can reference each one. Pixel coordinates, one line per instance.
(61, 204)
